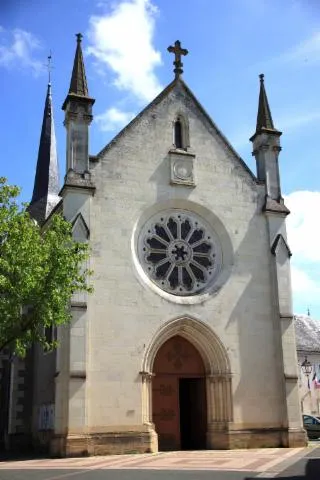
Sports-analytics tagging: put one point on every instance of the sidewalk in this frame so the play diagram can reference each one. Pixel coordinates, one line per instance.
(264, 463)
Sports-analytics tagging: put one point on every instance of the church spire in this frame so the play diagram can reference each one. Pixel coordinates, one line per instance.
(264, 117)
(46, 183)
(78, 84)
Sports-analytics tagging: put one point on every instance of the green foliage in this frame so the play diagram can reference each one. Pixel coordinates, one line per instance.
(40, 269)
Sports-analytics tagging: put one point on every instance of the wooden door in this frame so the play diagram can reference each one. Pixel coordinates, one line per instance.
(166, 411)
(175, 360)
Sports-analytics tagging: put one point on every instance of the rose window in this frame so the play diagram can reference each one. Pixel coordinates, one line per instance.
(179, 252)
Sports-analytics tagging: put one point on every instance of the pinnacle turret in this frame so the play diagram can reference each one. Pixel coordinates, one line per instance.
(78, 84)
(266, 149)
(46, 183)
(264, 117)
(78, 116)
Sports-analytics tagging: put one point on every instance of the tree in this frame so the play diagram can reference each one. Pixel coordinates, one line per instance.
(40, 269)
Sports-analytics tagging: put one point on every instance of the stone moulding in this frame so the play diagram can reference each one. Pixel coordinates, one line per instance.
(81, 375)
(291, 377)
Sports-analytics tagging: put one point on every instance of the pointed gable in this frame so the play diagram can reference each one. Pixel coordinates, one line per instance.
(177, 84)
(280, 243)
(80, 229)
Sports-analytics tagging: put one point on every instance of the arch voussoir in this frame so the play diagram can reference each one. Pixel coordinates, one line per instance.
(209, 345)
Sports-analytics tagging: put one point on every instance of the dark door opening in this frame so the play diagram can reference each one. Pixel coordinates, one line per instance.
(193, 414)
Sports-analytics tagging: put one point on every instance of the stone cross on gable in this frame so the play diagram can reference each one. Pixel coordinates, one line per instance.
(178, 51)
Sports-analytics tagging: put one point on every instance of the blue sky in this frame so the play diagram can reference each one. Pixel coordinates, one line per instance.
(125, 45)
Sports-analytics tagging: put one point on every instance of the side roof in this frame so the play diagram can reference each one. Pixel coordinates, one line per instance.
(156, 101)
(307, 334)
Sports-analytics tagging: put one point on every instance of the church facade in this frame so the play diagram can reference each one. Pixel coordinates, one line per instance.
(187, 341)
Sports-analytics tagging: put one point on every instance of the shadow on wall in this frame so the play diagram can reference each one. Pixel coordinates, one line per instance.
(256, 330)
(312, 472)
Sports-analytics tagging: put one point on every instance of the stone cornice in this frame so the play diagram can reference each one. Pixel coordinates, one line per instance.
(291, 377)
(275, 207)
(78, 374)
(78, 305)
(78, 181)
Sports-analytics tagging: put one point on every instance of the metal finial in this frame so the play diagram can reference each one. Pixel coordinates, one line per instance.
(178, 51)
(261, 76)
(50, 67)
(79, 37)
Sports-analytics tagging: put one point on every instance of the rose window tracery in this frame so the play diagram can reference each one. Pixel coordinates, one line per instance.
(179, 252)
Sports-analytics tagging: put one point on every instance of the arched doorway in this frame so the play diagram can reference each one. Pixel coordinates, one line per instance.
(179, 405)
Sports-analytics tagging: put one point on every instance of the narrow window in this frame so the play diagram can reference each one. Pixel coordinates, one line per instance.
(178, 134)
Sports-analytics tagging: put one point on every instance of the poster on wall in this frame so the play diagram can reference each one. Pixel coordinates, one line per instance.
(46, 417)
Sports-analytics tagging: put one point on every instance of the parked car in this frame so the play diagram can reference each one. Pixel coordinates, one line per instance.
(312, 426)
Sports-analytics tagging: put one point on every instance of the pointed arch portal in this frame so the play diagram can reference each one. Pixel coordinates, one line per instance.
(178, 388)
(186, 386)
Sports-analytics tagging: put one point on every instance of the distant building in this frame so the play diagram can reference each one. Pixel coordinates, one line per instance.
(308, 347)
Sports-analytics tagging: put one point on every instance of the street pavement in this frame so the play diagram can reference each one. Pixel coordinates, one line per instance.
(271, 463)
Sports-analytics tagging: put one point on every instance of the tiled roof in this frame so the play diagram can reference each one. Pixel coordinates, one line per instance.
(307, 333)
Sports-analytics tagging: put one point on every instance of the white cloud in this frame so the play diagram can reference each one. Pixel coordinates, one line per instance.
(239, 138)
(304, 285)
(303, 236)
(113, 119)
(295, 120)
(17, 49)
(303, 225)
(306, 51)
(122, 40)
(287, 123)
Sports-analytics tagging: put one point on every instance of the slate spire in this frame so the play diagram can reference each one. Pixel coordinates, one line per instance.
(46, 183)
(264, 118)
